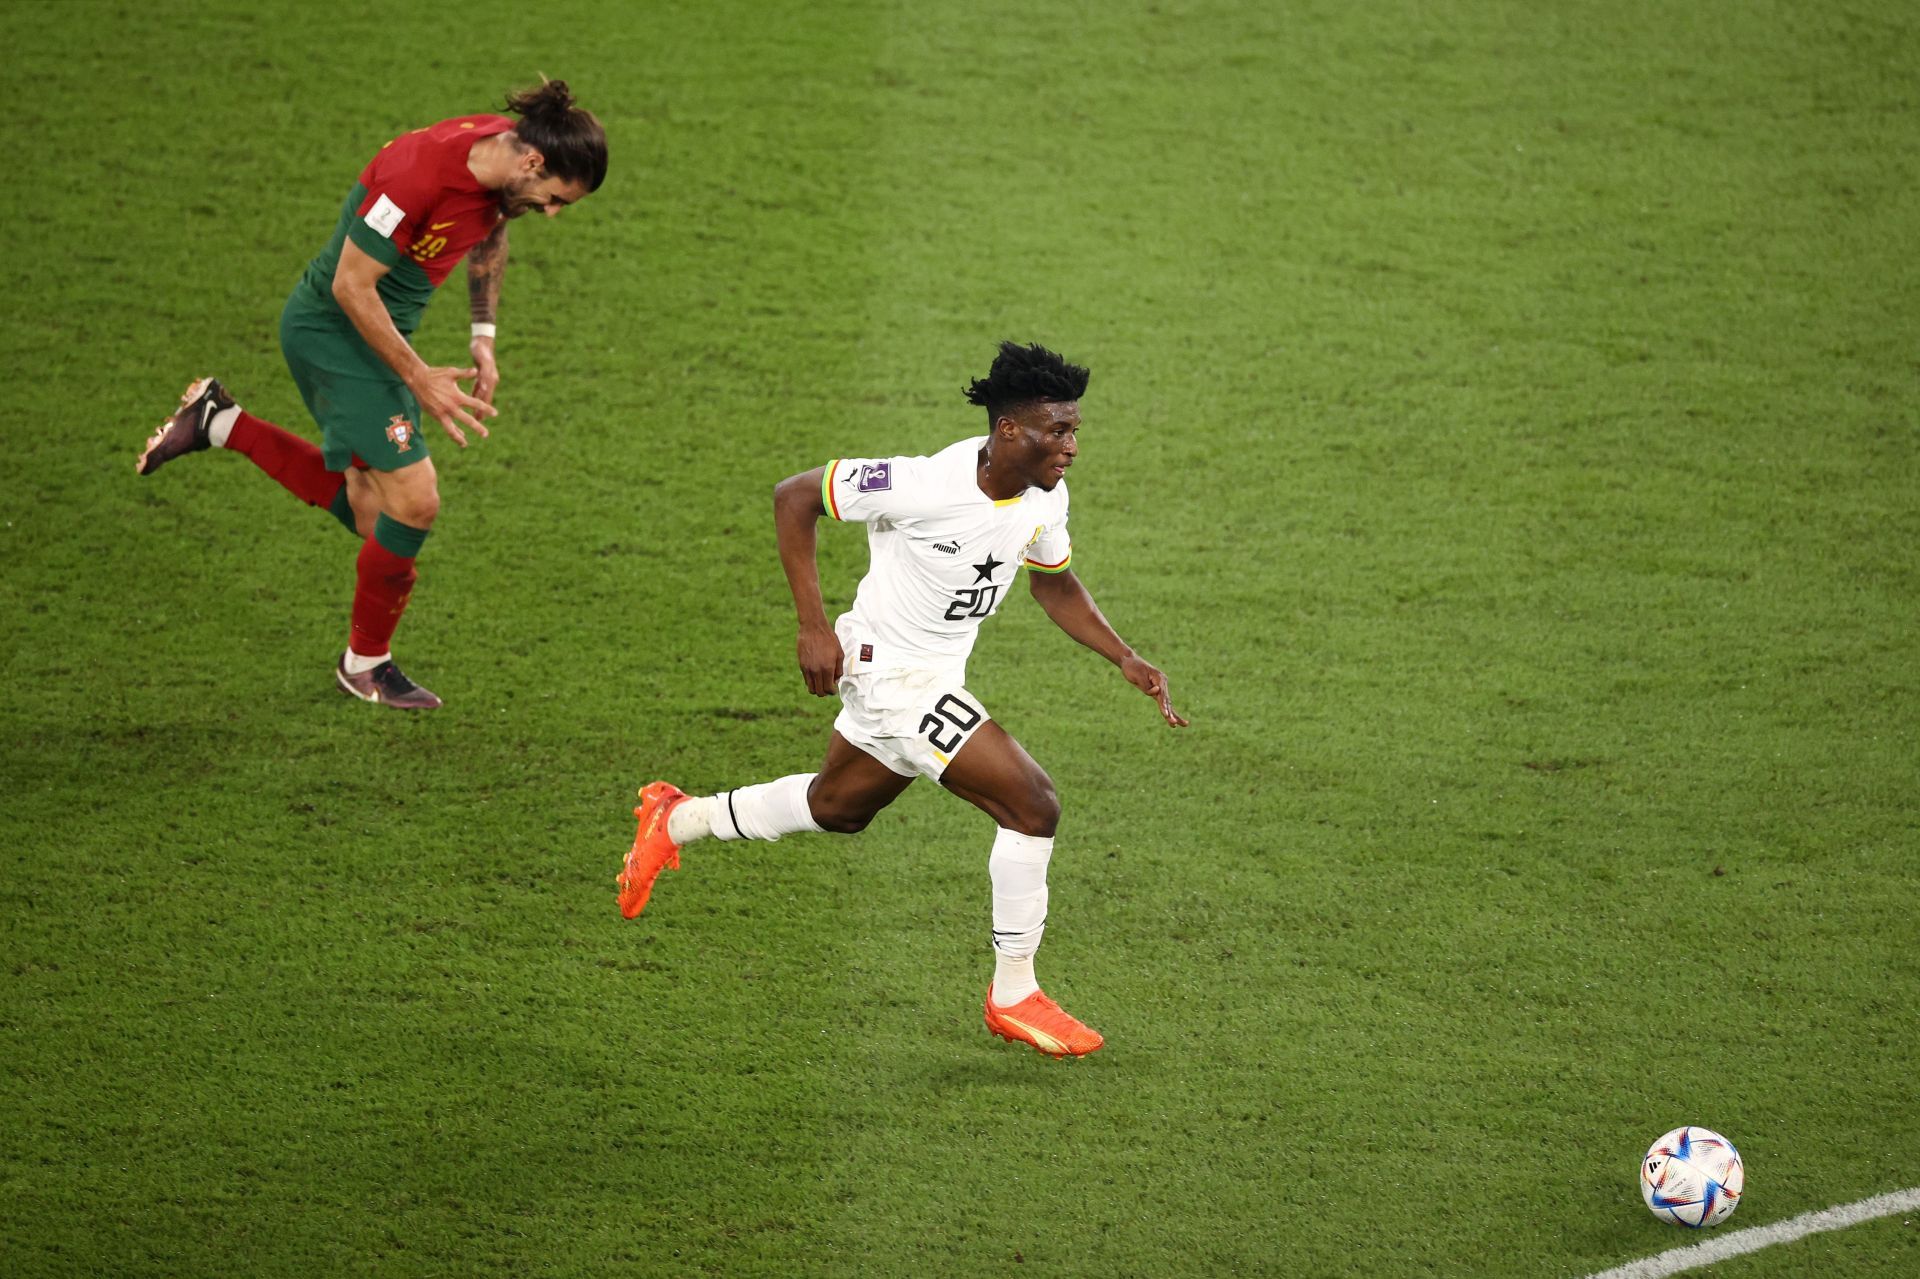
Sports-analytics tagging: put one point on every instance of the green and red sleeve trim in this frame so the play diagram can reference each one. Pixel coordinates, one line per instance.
(1061, 567)
(826, 490)
(371, 242)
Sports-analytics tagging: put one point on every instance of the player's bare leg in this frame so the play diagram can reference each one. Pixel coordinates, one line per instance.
(410, 494)
(994, 773)
(851, 788)
(364, 498)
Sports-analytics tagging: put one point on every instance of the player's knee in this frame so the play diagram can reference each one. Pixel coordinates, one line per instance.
(417, 510)
(842, 810)
(843, 823)
(1039, 825)
(838, 818)
(1038, 812)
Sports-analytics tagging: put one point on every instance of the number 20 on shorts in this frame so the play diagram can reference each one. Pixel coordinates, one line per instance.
(948, 723)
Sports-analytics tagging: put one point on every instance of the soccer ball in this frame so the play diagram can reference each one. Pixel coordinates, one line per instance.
(1692, 1177)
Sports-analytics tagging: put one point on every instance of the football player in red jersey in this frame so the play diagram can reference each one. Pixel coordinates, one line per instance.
(428, 200)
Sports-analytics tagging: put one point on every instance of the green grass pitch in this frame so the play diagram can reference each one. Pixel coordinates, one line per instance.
(1503, 430)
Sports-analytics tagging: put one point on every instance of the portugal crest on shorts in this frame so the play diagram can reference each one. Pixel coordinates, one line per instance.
(400, 431)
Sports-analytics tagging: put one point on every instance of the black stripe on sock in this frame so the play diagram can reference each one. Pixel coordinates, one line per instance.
(732, 817)
(1018, 932)
(1011, 932)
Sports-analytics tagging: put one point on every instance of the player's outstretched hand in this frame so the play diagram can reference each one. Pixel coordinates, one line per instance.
(1149, 679)
(481, 349)
(821, 659)
(439, 393)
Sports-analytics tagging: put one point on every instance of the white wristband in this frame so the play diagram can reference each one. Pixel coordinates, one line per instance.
(484, 330)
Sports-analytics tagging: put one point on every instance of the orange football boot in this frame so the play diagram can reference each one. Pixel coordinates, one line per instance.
(652, 850)
(1039, 1021)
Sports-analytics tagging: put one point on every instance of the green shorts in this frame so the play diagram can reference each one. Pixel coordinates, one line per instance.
(364, 410)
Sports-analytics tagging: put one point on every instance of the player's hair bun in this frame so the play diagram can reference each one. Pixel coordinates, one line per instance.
(574, 144)
(550, 102)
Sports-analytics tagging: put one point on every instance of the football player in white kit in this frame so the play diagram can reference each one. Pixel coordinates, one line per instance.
(946, 534)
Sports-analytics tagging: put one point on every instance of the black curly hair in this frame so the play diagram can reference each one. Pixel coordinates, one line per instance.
(1022, 375)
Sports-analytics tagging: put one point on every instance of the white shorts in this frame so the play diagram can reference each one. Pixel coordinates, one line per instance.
(914, 722)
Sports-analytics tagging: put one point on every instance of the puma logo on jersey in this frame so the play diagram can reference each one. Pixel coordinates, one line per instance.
(951, 548)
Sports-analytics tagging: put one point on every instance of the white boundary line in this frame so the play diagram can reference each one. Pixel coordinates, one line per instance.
(1744, 1241)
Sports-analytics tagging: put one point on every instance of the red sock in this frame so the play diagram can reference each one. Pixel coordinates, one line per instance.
(287, 458)
(385, 582)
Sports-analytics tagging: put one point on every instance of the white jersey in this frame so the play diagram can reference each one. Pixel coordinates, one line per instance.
(943, 554)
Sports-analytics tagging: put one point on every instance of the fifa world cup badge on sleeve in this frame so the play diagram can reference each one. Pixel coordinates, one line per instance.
(385, 215)
(875, 476)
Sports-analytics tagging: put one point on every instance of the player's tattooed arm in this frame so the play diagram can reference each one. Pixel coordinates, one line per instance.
(797, 511)
(1072, 609)
(486, 267)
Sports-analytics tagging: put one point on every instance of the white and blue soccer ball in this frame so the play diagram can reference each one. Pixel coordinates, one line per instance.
(1692, 1177)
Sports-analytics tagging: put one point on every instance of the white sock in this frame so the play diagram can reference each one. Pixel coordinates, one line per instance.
(690, 820)
(358, 665)
(766, 811)
(1018, 868)
(1012, 979)
(220, 426)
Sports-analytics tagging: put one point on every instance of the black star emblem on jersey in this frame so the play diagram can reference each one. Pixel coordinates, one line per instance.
(985, 571)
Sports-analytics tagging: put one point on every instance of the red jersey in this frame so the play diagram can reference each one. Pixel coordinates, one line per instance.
(420, 195)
